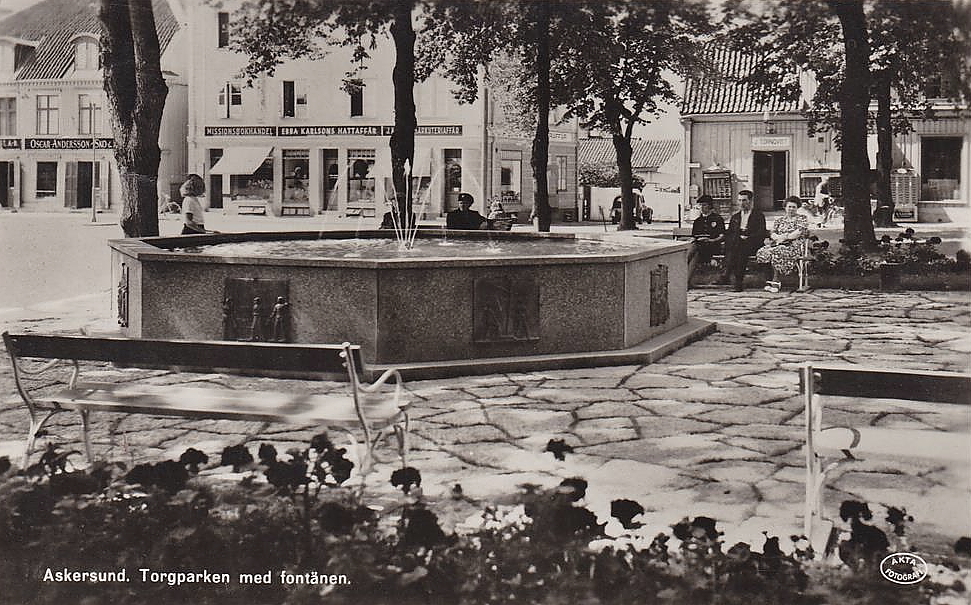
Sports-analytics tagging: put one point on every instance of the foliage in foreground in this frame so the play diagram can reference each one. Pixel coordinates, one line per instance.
(294, 516)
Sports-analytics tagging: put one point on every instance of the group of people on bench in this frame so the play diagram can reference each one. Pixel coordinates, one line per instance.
(745, 236)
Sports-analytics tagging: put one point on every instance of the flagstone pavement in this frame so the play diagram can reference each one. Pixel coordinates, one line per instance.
(716, 428)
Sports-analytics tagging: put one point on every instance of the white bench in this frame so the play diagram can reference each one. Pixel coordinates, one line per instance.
(369, 408)
(901, 388)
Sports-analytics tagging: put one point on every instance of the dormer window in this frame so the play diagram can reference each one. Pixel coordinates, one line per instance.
(86, 56)
(14, 52)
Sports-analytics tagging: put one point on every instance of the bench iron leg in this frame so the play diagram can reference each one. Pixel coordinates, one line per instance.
(35, 427)
(87, 435)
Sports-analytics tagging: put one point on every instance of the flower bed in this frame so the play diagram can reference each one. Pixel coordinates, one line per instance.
(287, 531)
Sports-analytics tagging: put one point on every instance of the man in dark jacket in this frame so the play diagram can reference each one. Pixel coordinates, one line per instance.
(465, 217)
(746, 234)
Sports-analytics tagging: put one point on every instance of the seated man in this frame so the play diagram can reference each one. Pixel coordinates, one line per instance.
(464, 217)
(708, 232)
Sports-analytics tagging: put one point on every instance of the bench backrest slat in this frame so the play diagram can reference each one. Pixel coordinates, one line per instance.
(936, 387)
(200, 355)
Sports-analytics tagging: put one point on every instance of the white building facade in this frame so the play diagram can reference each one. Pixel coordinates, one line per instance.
(55, 134)
(298, 144)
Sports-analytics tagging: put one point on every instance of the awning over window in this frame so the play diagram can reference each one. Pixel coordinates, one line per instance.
(241, 160)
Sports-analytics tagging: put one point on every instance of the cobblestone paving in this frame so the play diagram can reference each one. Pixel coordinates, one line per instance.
(715, 428)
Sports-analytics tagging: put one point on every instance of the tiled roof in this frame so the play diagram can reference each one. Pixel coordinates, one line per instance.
(647, 154)
(53, 24)
(725, 94)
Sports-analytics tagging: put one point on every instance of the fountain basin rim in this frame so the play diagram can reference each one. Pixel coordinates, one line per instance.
(159, 249)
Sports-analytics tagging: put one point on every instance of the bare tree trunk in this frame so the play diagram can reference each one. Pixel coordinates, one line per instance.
(403, 139)
(624, 153)
(884, 150)
(854, 103)
(541, 140)
(136, 97)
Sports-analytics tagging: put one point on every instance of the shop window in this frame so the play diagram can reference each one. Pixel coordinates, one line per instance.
(561, 180)
(8, 116)
(360, 178)
(294, 99)
(89, 115)
(511, 181)
(453, 170)
(86, 57)
(46, 179)
(230, 100)
(296, 177)
(47, 114)
(222, 35)
(256, 186)
(357, 100)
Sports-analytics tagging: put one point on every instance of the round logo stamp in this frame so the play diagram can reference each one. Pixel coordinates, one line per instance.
(903, 568)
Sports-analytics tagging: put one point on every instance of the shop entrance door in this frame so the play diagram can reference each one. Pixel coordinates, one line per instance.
(6, 182)
(85, 184)
(769, 180)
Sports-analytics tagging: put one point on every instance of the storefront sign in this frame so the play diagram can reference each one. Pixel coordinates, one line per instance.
(9, 143)
(363, 130)
(767, 143)
(438, 130)
(509, 133)
(59, 144)
(240, 131)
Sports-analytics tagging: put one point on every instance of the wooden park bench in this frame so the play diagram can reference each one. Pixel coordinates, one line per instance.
(377, 412)
(900, 389)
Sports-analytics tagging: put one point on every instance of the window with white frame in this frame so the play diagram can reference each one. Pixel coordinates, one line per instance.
(8, 116)
(294, 99)
(89, 115)
(561, 173)
(230, 100)
(222, 31)
(357, 100)
(86, 57)
(48, 114)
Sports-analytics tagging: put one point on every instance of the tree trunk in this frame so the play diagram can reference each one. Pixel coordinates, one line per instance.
(854, 101)
(136, 95)
(624, 152)
(884, 150)
(403, 138)
(541, 140)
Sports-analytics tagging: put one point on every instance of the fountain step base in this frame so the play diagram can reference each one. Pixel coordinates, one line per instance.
(646, 352)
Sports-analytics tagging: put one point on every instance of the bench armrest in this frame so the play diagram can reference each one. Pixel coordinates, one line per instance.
(374, 386)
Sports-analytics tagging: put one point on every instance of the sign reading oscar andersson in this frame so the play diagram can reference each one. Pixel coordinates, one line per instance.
(145, 575)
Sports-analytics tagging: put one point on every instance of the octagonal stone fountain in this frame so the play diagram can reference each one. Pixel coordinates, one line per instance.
(457, 303)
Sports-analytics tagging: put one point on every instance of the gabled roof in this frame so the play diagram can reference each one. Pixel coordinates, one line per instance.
(647, 154)
(725, 94)
(53, 26)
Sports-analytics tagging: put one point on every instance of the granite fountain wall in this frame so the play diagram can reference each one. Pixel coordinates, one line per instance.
(405, 310)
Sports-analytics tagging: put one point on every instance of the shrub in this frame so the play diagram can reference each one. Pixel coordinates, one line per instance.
(547, 548)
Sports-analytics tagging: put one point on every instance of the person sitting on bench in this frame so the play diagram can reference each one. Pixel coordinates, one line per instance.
(465, 217)
(708, 233)
(783, 247)
(746, 230)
